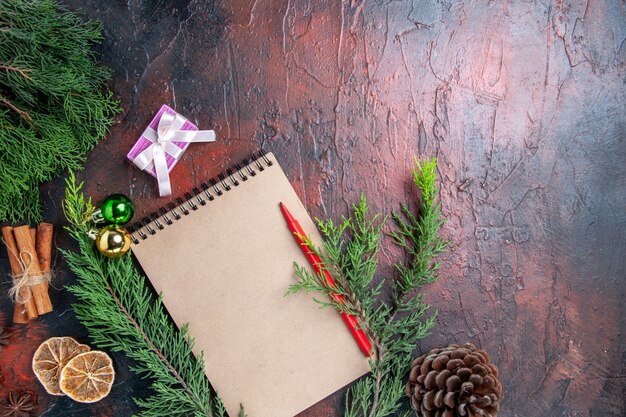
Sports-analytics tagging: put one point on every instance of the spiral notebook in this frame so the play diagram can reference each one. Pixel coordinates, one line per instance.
(223, 260)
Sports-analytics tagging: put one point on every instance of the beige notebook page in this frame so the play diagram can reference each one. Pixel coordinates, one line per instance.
(224, 269)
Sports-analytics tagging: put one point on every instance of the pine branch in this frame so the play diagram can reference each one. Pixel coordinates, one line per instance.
(419, 236)
(350, 254)
(23, 72)
(22, 113)
(122, 315)
(53, 108)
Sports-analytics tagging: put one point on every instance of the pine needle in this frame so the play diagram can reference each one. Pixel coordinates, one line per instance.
(53, 108)
(122, 315)
(350, 254)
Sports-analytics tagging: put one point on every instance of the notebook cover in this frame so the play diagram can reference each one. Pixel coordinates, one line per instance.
(224, 269)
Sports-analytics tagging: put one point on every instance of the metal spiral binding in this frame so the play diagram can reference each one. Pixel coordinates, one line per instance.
(208, 191)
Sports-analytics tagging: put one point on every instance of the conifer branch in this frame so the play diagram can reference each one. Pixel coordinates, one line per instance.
(23, 72)
(23, 114)
(350, 254)
(122, 315)
(160, 354)
(53, 107)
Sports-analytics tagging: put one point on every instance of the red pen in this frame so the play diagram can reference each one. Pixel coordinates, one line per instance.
(317, 265)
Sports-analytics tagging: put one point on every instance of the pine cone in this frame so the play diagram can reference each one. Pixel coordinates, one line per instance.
(455, 381)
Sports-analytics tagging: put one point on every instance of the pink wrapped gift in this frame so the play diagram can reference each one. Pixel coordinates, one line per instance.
(163, 142)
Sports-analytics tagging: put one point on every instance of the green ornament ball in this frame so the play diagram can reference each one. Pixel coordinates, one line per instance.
(115, 209)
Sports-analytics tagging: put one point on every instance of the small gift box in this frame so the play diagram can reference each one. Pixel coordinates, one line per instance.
(160, 146)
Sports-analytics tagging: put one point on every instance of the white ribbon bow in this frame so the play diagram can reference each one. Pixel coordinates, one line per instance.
(167, 132)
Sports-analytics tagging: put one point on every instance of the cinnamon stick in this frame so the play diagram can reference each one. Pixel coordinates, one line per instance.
(23, 312)
(33, 235)
(39, 291)
(44, 247)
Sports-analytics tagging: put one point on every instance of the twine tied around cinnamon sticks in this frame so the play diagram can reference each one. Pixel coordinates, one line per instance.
(30, 256)
(26, 279)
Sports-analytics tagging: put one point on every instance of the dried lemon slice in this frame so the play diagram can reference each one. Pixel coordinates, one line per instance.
(88, 377)
(50, 358)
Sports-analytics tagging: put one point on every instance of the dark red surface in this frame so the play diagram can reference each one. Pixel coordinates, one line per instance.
(522, 102)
